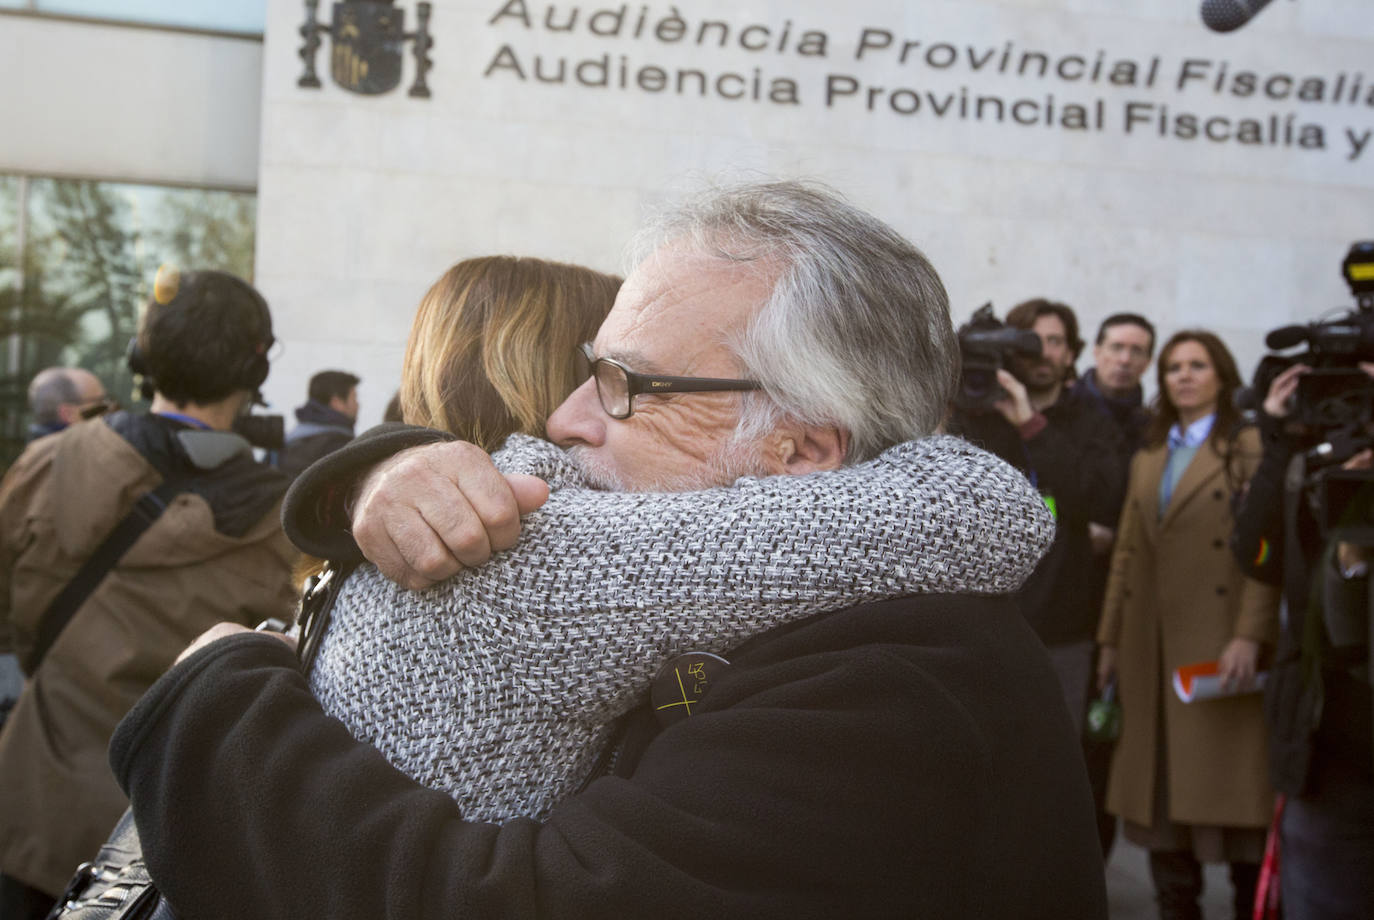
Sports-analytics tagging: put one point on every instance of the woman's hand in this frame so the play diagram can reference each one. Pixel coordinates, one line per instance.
(1106, 666)
(1238, 663)
(221, 631)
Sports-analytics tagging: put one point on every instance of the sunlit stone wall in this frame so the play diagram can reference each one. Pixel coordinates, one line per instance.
(1113, 154)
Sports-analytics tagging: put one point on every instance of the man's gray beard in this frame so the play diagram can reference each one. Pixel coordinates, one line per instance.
(732, 461)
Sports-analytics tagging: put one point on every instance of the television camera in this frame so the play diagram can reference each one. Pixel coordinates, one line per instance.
(986, 344)
(265, 431)
(1332, 411)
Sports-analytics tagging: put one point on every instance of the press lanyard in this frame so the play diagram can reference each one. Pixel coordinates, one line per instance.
(185, 420)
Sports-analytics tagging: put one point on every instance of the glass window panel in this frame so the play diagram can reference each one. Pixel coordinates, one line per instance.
(13, 401)
(92, 251)
(232, 15)
(9, 228)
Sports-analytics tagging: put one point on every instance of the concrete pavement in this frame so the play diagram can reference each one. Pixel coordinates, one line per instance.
(1130, 894)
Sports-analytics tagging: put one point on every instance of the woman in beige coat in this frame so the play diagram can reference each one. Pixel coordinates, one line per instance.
(1188, 779)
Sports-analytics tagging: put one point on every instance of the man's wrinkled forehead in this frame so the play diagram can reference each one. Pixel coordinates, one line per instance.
(680, 294)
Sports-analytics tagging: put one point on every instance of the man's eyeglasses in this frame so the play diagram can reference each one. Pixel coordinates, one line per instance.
(617, 385)
(98, 406)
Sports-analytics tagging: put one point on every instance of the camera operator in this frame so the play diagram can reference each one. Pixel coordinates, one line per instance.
(1317, 700)
(121, 540)
(1071, 454)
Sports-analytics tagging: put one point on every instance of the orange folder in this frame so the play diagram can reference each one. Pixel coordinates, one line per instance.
(1202, 681)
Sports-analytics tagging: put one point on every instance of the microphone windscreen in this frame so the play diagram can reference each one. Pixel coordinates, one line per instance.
(1286, 337)
(1229, 15)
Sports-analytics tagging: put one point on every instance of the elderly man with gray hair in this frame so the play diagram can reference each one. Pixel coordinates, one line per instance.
(907, 756)
(61, 396)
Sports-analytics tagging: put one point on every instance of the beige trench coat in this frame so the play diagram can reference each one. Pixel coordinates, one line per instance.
(58, 798)
(1176, 596)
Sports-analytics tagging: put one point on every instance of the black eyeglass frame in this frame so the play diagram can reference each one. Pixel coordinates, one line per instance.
(97, 407)
(636, 384)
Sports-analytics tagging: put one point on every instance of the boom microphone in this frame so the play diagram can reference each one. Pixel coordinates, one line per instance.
(1229, 15)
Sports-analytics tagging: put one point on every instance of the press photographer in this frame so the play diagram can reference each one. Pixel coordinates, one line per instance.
(122, 538)
(1014, 401)
(1307, 523)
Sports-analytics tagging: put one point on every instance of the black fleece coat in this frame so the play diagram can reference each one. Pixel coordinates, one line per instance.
(910, 758)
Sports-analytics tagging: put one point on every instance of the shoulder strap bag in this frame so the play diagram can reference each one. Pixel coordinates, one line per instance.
(143, 515)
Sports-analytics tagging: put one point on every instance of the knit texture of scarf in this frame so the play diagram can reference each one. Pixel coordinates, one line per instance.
(500, 686)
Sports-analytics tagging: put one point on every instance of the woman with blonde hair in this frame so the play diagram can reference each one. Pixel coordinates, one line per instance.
(493, 348)
(1189, 779)
(504, 685)
(492, 351)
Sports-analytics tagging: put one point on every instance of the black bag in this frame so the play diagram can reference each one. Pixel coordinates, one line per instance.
(117, 884)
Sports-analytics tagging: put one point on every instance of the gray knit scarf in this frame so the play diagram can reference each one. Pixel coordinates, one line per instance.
(500, 685)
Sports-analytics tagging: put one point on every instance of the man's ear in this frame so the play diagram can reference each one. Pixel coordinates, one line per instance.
(798, 449)
(69, 413)
(339, 404)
